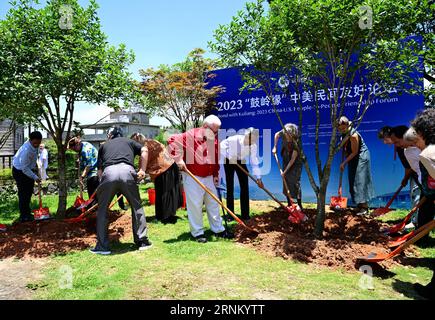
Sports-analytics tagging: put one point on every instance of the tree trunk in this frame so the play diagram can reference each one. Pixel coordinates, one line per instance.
(321, 198)
(320, 217)
(62, 185)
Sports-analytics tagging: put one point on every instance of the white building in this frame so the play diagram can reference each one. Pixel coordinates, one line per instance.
(129, 122)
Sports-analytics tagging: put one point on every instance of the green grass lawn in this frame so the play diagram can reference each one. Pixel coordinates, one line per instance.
(178, 268)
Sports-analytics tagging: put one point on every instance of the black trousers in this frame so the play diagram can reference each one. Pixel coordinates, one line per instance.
(230, 169)
(92, 184)
(426, 211)
(25, 187)
(425, 215)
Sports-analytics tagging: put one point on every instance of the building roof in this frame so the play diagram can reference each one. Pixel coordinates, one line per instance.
(108, 124)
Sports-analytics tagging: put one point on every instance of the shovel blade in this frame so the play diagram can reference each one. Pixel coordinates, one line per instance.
(338, 203)
(400, 240)
(395, 244)
(374, 257)
(381, 211)
(395, 229)
(296, 215)
(41, 214)
(79, 202)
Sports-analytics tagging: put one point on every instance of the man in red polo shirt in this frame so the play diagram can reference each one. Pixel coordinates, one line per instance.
(198, 150)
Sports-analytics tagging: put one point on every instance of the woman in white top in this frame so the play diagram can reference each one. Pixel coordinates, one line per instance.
(43, 161)
(236, 149)
(422, 134)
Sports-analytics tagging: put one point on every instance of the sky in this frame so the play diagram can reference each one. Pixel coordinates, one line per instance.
(159, 32)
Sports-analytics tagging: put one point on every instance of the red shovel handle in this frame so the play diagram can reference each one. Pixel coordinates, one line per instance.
(398, 227)
(287, 190)
(217, 200)
(394, 197)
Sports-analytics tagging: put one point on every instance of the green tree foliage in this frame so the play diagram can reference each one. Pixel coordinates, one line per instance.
(318, 38)
(53, 57)
(179, 93)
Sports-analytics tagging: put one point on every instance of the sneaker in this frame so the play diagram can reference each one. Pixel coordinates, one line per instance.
(145, 245)
(228, 218)
(224, 235)
(2, 228)
(363, 212)
(100, 252)
(410, 226)
(28, 218)
(201, 239)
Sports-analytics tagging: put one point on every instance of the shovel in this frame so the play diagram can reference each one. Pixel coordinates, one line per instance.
(41, 213)
(218, 201)
(293, 209)
(83, 216)
(399, 240)
(340, 202)
(219, 188)
(378, 257)
(400, 226)
(381, 211)
(296, 216)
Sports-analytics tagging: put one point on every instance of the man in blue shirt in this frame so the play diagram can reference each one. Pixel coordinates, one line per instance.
(88, 157)
(24, 163)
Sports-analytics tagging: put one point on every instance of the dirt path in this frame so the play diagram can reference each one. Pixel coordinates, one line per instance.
(17, 277)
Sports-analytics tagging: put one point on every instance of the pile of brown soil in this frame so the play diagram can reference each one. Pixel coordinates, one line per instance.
(345, 238)
(45, 238)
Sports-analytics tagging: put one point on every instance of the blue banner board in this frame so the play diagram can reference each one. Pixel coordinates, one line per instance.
(242, 109)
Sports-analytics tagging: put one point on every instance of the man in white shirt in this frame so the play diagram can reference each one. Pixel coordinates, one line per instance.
(236, 149)
(43, 161)
(23, 164)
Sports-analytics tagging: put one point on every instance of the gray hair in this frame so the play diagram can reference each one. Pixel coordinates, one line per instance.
(291, 129)
(212, 120)
(410, 135)
(343, 120)
(254, 133)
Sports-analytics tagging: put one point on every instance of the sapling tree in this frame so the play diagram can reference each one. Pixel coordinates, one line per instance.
(180, 93)
(55, 56)
(321, 47)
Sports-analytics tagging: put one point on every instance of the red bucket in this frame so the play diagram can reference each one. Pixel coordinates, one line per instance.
(152, 196)
(184, 200)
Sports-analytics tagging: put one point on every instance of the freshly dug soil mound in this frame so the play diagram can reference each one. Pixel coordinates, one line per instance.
(345, 238)
(45, 238)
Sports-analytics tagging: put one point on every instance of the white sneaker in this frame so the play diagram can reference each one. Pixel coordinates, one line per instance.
(410, 226)
(145, 245)
(363, 213)
(100, 252)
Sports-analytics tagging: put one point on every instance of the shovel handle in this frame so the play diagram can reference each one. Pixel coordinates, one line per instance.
(78, 176)
(95, 206)
(340, 184)
(217, 199)
(394, 197)
(402, 224)
(287, 190)
(426, 229)
(263, 188)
